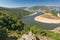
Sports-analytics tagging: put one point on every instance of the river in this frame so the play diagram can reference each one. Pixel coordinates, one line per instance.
(30, 21)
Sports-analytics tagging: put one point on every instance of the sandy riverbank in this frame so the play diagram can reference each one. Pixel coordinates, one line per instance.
(46, 20)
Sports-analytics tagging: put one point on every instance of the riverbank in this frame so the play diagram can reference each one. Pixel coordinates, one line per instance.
(32, 14)
(50, 16)
(46, 20)
(56, 30)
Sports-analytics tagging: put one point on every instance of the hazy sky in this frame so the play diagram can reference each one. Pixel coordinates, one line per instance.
(22, 3)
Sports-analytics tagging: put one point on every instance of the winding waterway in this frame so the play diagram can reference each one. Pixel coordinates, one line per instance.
(30, 21)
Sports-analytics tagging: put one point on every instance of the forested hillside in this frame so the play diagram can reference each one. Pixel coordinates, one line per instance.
(19, 12)
(9, 24)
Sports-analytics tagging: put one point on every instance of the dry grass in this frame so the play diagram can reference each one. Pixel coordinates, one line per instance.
(50, 16)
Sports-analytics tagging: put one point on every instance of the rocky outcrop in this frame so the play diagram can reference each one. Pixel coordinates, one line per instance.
(32, 36)
(58, 14)
(29, 36)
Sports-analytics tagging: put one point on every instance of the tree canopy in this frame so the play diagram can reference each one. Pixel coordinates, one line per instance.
(10, 22)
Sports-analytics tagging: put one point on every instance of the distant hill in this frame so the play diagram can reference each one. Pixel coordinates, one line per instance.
(15, 11)
(34, 8)
(21, 7)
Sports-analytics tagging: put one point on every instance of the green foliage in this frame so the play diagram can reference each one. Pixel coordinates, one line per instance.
(3, 34)
(15, 11)
(26, 30)
(54, 13)
(35, 29)
(10, 22)
(43, 33)
(38, 31)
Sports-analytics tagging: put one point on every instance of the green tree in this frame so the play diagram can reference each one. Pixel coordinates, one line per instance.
(11, 22)
(3, 34)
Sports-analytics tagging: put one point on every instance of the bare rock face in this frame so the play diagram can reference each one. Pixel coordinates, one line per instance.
(58, 14)
(30, 36)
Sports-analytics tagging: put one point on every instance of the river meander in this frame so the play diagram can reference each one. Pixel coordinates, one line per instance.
(30, 21)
